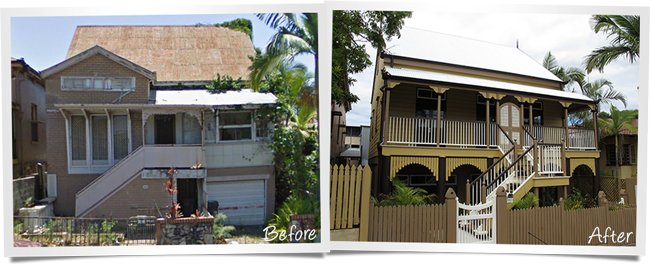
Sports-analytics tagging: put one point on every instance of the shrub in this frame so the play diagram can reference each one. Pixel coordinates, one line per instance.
(294, 204)
(403, 195)
(577, 201)
(220, 231)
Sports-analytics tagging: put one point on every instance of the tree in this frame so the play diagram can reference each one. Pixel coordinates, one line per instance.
(571, 75)
(601, 90)
(615, 125)
(351, 30)
(624, 33)
(296, 34)
(240, 24)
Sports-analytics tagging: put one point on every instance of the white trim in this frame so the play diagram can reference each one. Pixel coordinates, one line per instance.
(434, 95)
(251, 126)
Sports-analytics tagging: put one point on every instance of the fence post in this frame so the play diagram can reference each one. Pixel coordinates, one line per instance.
(602, 199)
(452, 215)
(364, 222)
(501, 216)
(630, 185)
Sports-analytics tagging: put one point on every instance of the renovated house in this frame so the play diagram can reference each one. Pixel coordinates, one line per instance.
(453, 112)
(129, 103)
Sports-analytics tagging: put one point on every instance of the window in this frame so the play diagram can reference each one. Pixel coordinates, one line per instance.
(537, 114)
(480, 108)
(97, 142)
(34, 123)
(426, 104)
(97, 83)
(235, 126)
(611, 155)
(632, 154)
(78, 140)
(120, 137)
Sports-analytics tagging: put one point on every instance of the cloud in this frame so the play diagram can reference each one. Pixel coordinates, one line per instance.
(569, 37)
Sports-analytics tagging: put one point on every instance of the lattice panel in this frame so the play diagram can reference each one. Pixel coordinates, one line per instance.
(610, 186)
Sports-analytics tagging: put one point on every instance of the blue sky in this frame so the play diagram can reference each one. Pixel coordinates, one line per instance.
(44, 41)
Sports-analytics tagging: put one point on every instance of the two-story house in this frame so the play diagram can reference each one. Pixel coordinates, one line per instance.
(130, 102)
(28, 119)
(453, 112)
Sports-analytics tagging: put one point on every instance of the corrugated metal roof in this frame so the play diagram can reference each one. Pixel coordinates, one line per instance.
(472, 81)
(351, 152)
(444, 48)
(205, 98)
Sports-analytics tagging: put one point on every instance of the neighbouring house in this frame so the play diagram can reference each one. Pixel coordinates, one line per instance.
(337, 135)
(449, 111)
(27, 119)
(628, 151)
(130, 102)
(28, 139)
(357, 139)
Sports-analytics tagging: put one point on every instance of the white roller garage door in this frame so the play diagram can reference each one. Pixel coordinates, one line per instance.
(241, 201)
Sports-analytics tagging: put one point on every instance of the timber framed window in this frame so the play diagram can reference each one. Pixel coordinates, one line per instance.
(426, 104)
(97, 141)
(236, 126)
(97, 83)
(538, 113)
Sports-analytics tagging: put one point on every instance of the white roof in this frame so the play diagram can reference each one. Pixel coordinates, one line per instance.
(205, 98)
(438, 47)
(473, 81)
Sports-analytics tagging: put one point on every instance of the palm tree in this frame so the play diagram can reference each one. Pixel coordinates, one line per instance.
(571, 75)
(619, 121)
(624, 31)
(296, 34)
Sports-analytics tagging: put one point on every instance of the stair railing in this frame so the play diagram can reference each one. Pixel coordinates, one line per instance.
(473, 194)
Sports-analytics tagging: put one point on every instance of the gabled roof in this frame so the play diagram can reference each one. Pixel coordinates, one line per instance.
(92, 52)
(175, 53)
(452, 50)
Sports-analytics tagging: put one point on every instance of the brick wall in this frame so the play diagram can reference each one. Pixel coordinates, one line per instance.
(98, 65)
(23, 189)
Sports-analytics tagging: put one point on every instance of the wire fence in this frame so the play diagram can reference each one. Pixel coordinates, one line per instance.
(70, 231)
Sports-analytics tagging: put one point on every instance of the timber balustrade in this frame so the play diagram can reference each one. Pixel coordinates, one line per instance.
(461, 133)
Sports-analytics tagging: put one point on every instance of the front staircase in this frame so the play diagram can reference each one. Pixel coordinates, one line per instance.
(127, 169)
(516, 168)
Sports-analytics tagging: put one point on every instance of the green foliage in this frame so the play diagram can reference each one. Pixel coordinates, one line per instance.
(240, 24)
(527, 202)
(19, 228)
(403, 195)
(31, 201)
(623, 31)
(225, 83)
(295, 204)
(604, 173)
(219, 230)
(350, 31)
(577, 201)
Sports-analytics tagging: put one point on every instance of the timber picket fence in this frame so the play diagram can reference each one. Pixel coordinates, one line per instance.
(354, 217)
(349, 202)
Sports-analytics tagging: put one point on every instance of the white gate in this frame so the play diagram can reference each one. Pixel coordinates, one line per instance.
(476, 224)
